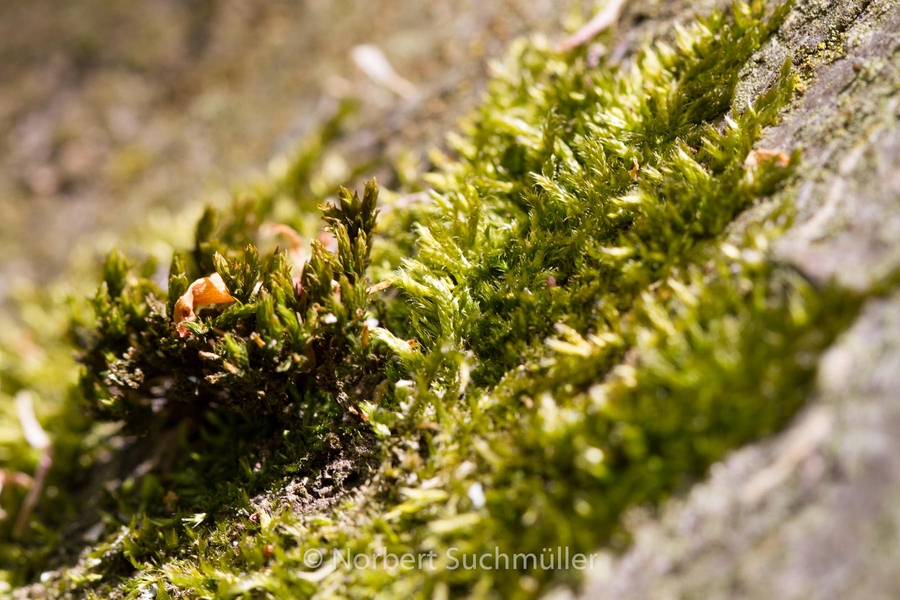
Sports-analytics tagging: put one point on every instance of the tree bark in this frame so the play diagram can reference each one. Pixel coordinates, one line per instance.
(813, 512)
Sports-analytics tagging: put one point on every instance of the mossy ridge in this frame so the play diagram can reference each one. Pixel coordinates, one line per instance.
(576, 432)
(723, 352)
(567, 461)
(601, 439)
(545, 188)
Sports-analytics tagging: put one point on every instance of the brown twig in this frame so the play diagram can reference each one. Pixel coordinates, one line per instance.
(34, 493)
(38, 439)
(14, 478)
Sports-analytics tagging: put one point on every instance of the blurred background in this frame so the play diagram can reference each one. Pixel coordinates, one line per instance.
(112, 111)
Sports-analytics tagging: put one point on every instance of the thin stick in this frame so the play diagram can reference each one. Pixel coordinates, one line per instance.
(34, 493)
(37, 438)
(602, 20)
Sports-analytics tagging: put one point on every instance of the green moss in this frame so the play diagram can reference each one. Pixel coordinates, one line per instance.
(276, 339)
(567, 337)
(545, 189)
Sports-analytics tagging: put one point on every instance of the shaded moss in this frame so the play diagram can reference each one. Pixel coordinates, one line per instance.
(278, 337)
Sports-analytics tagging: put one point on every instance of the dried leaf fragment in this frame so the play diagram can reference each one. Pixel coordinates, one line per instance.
(205, 291)
(760, 155)
(378, 287)
(37, 438)
(170, 500)
(635, 169)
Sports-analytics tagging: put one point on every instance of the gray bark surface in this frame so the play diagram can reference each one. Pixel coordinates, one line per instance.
(813, 512)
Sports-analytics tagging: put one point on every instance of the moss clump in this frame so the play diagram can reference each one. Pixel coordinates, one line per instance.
(279, 337)
(583, 341)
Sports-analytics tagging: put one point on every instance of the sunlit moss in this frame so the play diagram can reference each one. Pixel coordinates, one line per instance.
(567, 336)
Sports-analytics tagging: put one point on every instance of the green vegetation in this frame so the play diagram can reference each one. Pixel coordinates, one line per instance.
(260, 353)
(568, 335)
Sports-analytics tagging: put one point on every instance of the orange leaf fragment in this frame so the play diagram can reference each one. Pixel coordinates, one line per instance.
(763, 154)
(635, 169)
(382, 285)
(205, 291)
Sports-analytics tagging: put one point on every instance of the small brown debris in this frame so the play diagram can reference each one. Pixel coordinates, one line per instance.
(634, 170)
(256, 339)
(364, 337)
(377, 287)
(230, 368)
(551, 281)
(268, 550)
(170, 499)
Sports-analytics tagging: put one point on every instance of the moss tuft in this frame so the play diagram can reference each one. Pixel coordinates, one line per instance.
(277, 339)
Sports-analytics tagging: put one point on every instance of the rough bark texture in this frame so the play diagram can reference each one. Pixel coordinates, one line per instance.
(812, 513)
